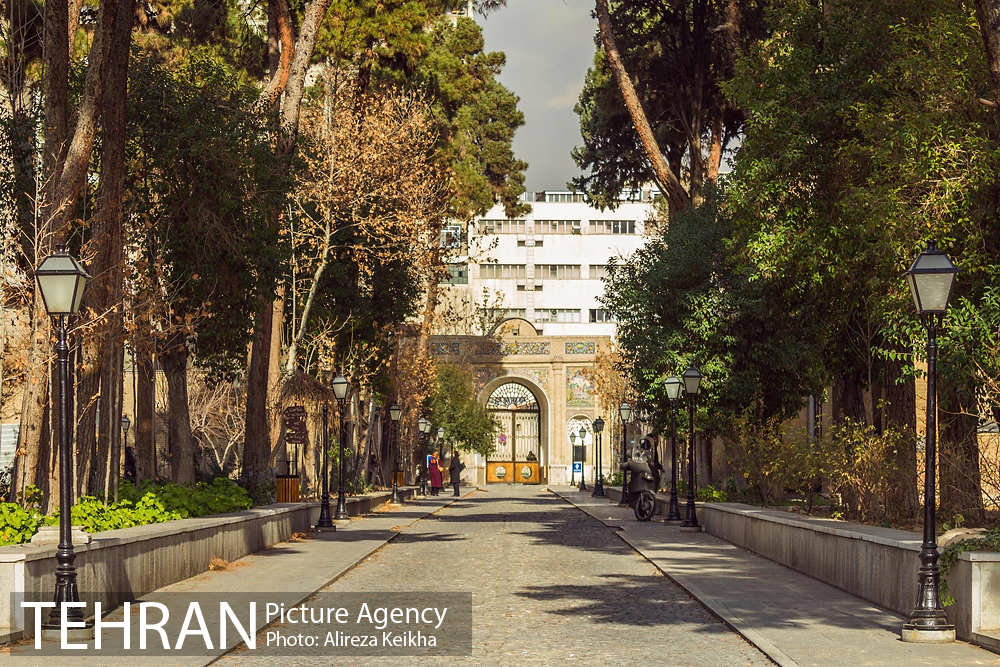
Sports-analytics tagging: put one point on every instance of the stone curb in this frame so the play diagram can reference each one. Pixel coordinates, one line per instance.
(721, 611)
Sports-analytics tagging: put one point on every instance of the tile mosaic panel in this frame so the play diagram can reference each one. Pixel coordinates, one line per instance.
(581, 347)
(579, 388)
(439, 349)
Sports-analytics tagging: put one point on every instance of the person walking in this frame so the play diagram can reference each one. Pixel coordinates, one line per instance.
(455, 469)
(434, 472)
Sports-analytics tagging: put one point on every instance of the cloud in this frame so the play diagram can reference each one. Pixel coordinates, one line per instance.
(549, 46)
(566, 99)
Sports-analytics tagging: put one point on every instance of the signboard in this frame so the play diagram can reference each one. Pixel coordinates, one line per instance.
(577, 466)
(579, 452)
(295, 424)
(8, 443)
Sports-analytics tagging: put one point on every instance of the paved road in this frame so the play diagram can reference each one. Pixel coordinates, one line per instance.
(548, 584)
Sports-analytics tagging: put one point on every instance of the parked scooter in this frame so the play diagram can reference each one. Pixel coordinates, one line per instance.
(642, 487)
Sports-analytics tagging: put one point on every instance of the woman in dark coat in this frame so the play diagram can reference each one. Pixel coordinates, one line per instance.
(455, 471)
(434, 472)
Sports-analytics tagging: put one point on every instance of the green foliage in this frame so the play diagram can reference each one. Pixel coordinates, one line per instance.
(202, 177)
(216, 497)
(988, 541)
(150, 502)
(17, 524)
(453, 405)
(706, 493)
(95, 516)
(685, 298)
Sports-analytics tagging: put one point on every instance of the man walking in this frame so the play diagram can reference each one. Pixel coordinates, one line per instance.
(455, 469)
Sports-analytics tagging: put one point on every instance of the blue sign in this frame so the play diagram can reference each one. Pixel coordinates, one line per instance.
(577, 466)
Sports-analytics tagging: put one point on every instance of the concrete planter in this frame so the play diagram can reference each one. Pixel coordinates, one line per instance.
(120, 565)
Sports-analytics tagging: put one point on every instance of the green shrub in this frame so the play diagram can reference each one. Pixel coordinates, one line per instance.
(150, 502)
(203, 498)
(17, 524)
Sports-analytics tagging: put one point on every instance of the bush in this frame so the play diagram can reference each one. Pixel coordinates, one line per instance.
(17, 524)
(203, 498)
(150, 502)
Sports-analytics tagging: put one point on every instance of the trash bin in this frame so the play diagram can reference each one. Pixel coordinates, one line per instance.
(288, 488)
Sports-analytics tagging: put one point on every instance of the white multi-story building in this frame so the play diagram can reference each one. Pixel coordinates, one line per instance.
(548, 264)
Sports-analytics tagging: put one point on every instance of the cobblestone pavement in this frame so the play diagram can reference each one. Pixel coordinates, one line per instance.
(548, 585)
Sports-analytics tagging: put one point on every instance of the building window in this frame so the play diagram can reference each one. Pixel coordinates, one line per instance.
(502, 271)
(600, 315)
(506, 226)
(500, 314)
(565, 197)
(557, 271)
(612, 227)
(451, 236)
(557, 226)
(557, 315)
(598, 271)
(458, 274)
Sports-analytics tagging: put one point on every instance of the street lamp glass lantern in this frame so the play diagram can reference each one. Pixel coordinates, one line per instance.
(625, 411)
(930, 279)
(395, 411)
(572, 437)
(126, 422)
(598, 425)
(692, 381)
(340, 386)
(424, 424)
(674, 386)
(61, 280)
(583, 433)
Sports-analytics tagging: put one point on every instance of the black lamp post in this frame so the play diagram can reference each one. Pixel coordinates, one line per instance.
(341, 387)
(625, 412)
(692, 384)
(583, 443)
(930, 278)
(394, 414)
(424, 424)
(62, 280)
(674, 387)
(126, 422)
(325, 522)
(598, 491)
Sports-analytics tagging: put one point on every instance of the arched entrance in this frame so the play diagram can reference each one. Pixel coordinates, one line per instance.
(518, 436)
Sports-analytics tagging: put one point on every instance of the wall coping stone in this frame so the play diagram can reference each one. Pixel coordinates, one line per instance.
(109, 538)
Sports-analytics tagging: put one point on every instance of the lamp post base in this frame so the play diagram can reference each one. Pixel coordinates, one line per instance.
(54, 633)
(598, 489)
(917, 635)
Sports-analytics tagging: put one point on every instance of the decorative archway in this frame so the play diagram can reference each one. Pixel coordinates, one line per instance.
(516, 457)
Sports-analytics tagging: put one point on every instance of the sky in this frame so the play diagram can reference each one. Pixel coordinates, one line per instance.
(549, 46)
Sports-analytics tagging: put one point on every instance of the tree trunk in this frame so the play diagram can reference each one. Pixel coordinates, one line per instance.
(64, 166)
(175, 361)
(257, 446)
(87, 387)
(145, 454)
(668, 181)
(988, 14)
(958, 448)
(900, 416)
(111, 191)
(257, 443)
(847, 401)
